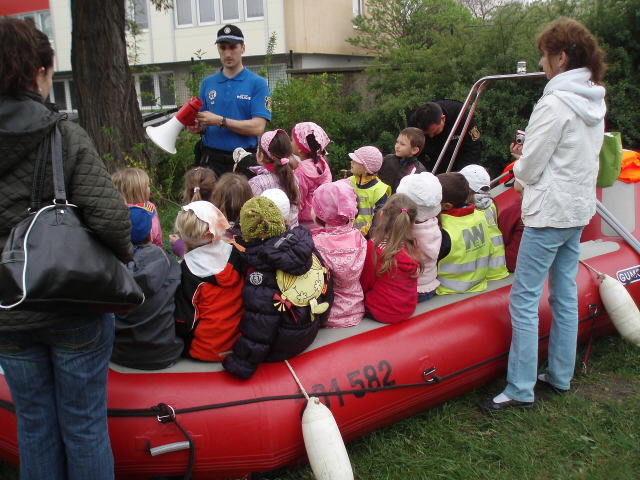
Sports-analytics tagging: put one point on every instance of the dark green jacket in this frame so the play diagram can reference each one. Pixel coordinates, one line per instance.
(24, 122)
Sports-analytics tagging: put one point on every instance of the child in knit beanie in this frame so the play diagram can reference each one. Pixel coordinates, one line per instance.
(426, 191)
(282, 313)
(344, 249)
(208, 301)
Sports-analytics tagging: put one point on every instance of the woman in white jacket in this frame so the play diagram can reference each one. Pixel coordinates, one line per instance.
(558, 164)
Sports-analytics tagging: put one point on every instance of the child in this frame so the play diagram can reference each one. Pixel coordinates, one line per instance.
(372, 193)
(466, 247)
(146, 337)
(274, 171)
(394, 263)
(277, 324)
(343, 248)
(133, 184)
(479, 186)
(512, 227)
(425, 190)
(208, 302)
(199, 183)
(409, 144)
(229, 195)
(309, 141)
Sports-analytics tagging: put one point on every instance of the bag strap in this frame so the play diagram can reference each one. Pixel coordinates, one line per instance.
(58, 167)
(51, 142)
(38, 174)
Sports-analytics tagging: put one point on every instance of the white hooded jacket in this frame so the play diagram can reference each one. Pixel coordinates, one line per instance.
(560, 157)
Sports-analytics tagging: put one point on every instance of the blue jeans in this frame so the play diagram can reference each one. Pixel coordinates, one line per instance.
(58, 382)
(554, 251)
(423, 297)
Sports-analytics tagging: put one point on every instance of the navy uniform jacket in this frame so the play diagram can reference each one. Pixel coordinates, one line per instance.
(469, 152)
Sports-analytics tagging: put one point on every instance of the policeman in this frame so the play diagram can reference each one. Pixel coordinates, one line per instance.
(237, 106)
(436, 120)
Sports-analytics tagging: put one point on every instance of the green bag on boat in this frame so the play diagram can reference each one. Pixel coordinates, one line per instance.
(610, 159)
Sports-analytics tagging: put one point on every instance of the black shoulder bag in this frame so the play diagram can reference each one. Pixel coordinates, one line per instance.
(52, 262)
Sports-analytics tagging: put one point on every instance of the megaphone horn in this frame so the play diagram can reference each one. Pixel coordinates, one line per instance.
(165, 135)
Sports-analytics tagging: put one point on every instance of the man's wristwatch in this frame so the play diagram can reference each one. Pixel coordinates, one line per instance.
(223, 123)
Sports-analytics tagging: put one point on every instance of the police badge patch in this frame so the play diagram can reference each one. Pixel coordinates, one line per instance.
(475, 133)
(212, 95)
(267, 103)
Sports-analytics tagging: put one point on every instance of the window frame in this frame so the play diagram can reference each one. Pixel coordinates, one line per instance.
(155, 76)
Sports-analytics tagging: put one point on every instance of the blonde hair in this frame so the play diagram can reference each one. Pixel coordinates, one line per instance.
(132, 183)
(199, 183)
(231, 193)
(192, 230)
(394, 225)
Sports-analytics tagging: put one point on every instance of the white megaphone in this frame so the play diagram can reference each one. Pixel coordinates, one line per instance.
(166, 134)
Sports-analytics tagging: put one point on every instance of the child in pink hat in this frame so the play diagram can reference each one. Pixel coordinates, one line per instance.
(343, 248)
(309, 141)
(372, 192)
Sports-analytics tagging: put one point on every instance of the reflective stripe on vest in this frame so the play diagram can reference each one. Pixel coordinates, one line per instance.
(465, 268)
(497, 263)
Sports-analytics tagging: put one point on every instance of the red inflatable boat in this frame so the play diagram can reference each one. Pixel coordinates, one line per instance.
(369, 376)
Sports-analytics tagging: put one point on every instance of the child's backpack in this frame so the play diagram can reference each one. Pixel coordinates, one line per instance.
(303, 290)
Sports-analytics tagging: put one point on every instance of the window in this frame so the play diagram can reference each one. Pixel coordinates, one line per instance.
(255, 8)
(205, 12)
(230, 10)
(183, 12)
(138, 11)
(42, 20)
(357, 7)
(155, 90)
(62, 95)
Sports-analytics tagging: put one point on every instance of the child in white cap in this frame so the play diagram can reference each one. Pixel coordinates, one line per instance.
(371, 191)
(479, 186)
(209, 299)
(425, 189)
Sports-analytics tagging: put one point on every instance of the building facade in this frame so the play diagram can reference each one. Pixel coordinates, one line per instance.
(309, 35)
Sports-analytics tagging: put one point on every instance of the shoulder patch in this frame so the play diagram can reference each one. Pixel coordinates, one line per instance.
(475, 133)
(267, 103)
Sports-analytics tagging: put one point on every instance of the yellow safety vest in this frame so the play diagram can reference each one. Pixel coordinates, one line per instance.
(465, 268)
(497, 261)
(367, 199)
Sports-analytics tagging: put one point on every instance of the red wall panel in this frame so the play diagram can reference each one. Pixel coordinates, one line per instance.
(13, 7)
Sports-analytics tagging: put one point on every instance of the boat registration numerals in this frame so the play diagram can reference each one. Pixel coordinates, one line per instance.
(369, 377)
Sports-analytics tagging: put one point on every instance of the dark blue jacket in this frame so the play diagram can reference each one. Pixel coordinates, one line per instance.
(267, 334)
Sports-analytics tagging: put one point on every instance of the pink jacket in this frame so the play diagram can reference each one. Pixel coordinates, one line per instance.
(264, 180)
(308, 180)
(156, 231)
(429, 238)
(344, 250)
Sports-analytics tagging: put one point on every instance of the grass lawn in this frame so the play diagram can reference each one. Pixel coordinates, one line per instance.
(591, 433)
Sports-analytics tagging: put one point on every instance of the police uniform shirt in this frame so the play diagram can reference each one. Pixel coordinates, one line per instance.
(242, 97)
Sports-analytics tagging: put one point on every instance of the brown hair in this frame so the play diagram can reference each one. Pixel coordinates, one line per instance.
(132, 183)
(415, 136)
(230, 193)
(280, 147)
(316, 151)
(573, 38)
(455, 188)
(199, 183)
(23, 51)
(394, 224)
